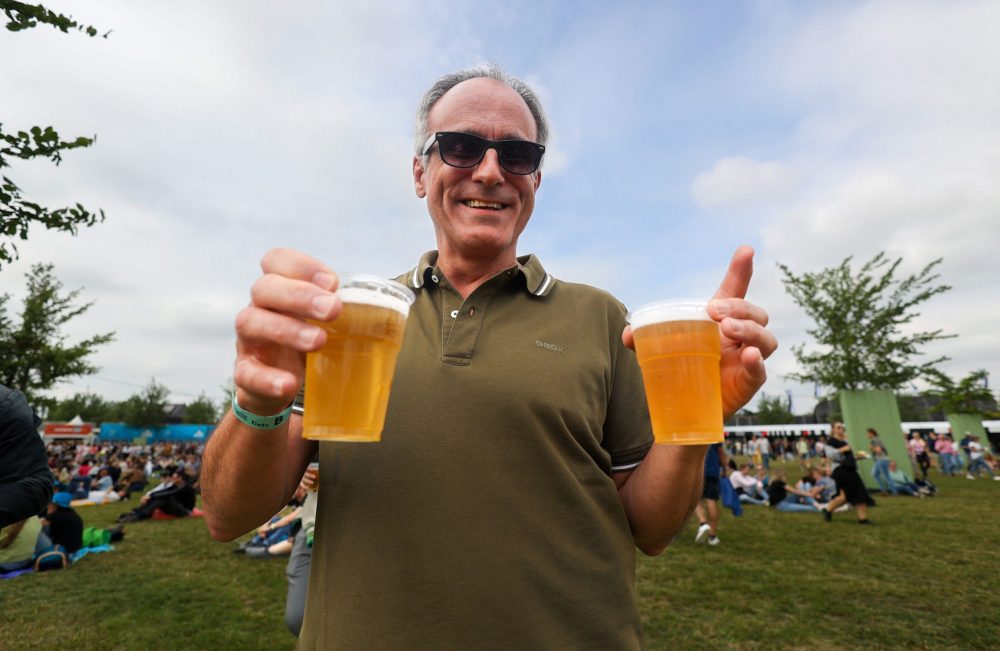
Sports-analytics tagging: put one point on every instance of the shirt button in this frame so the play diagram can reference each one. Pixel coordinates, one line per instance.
(434, 278)
(454, 314)
(472, 311)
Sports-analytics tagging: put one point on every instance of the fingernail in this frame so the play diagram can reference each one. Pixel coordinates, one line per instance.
(322, 304)
(325, 280)
(307, 336)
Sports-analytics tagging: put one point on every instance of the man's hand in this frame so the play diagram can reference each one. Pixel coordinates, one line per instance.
(746, 341)
(272, 334)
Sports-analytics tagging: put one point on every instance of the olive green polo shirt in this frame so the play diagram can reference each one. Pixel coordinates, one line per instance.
(487, 517)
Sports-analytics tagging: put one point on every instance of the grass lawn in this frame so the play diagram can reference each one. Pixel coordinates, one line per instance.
(923, 577)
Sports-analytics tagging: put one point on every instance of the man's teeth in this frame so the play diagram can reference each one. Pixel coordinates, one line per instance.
(475, 203)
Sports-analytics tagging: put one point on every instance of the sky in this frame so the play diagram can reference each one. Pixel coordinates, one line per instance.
(680, 130)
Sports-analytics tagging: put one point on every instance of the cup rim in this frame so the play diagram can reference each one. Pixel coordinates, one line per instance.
(679, 309)
(387, 286)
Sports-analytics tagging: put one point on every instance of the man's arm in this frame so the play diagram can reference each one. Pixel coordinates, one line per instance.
(25, 479)
(660, 494)
(248, 475)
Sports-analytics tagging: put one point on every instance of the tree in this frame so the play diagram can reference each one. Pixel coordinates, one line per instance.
(147, 408)
(859, 324)
(88, 406)
(970, 395)
(201, 411)
(16, 212)
(34, 355)
(772, 410)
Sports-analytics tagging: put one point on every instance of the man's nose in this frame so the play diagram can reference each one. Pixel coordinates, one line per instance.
(489, 171)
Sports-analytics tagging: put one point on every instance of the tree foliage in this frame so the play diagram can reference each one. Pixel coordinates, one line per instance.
(17, 214)
(773, 410)
(34, 353)
(146, 408)
(970, 395)
(859, 324)
(90, 407)
(201, 411)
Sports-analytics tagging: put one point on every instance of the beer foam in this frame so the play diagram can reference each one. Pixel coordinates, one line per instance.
(661, 311)
(365, 289)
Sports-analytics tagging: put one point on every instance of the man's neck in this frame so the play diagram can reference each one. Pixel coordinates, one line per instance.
(467, 273)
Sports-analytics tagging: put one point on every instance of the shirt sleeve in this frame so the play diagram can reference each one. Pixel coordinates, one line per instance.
(25, 480)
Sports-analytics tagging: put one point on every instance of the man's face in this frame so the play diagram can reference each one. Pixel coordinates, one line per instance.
(492, 110)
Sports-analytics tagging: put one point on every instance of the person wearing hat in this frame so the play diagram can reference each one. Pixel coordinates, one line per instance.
(63, 525)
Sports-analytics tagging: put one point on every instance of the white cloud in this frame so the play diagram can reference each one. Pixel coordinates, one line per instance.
(737, 180)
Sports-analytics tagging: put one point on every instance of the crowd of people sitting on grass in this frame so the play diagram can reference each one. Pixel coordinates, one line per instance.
(830, 479)
(89, 474)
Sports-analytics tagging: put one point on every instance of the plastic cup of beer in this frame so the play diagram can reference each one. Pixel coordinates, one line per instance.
(348, 379)
(678, 348)
(314, 467)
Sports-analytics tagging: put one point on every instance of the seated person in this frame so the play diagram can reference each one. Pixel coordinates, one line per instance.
(132, 480)
(904, 484)
(822, 479)
(785, 498)
(20, 542)
(807, 486)
(173, 497)
(268, 536)
(102, 488)
(750, 489)
(62, 524)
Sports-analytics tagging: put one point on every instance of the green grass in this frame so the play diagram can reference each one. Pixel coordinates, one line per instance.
(923, 577)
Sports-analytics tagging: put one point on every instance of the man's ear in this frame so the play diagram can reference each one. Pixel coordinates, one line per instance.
(418, 177)
(538, 179)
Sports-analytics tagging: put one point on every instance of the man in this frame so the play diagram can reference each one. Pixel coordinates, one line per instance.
(708, 506)
(173, 497)
(764, 445)
(25, 479)
(513, 479)
(880, 467)
(977, 459)
(749, 488)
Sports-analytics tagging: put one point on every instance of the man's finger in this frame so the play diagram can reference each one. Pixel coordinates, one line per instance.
(627, 337)
(737, 279)
(294, 264)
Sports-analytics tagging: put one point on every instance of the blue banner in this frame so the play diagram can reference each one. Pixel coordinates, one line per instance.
(122, 432)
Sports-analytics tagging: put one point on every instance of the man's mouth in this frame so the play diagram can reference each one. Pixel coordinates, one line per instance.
(488, 205)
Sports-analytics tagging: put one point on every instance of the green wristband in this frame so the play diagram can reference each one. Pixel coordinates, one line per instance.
(259, 422)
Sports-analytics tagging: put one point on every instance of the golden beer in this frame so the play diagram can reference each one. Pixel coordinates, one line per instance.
(349, 378)
(678, 348)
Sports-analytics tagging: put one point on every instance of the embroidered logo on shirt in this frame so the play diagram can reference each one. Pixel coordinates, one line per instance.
(547, 346)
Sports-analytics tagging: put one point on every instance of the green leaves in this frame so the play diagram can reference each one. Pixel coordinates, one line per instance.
(34, 353)
(22, 16)
(859, 319)
(969, 395)
(16, 213)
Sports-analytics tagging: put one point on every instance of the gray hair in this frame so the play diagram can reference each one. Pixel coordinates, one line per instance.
(488, 71)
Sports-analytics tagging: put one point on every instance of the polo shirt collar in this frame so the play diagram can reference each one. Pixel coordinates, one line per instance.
(538, 282)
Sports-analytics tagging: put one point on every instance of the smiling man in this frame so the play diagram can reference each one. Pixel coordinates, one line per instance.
(516, 473)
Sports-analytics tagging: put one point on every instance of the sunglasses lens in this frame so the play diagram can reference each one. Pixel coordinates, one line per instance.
(519, 156)
(467, 150)
(461, 150)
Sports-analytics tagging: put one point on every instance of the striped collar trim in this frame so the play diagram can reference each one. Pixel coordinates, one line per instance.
(537, 281)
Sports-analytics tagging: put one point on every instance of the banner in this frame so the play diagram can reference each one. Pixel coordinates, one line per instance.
(122, 432)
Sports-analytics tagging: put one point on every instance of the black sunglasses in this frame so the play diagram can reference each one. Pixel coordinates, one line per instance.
(466, 150)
